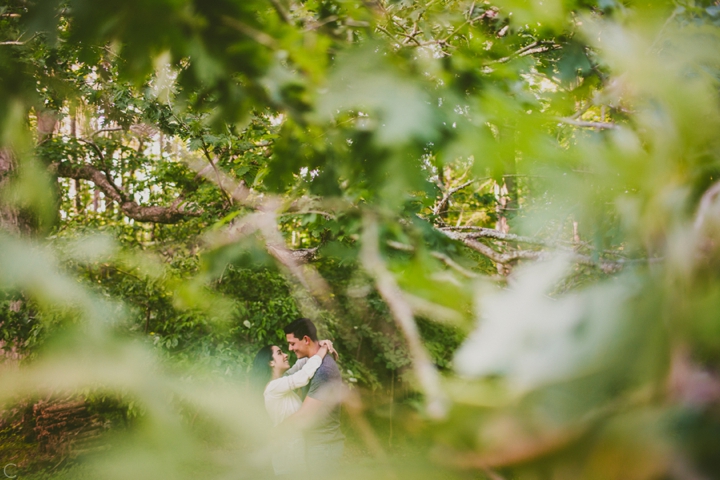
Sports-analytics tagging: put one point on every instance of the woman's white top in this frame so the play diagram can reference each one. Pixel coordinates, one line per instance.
(280, 399)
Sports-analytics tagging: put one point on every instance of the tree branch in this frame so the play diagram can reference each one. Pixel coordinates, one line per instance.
(18, 42)
(315, 25)
(403, 313)
(213, 164)
(108, 129)
(705, 203)
(284, 15)
(497, 257)
(258, 35)
(535, 47)
(481, 232)
(154, 214)
(607, 266)
(99, 152)
(440, 256)
(442, 204)
(387, 32)
(582, 123)
(291, 212)
(263, 220)
(238, 191)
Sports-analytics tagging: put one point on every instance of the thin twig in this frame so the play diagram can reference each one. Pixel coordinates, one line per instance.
(431, 310)
(454, 265)
(321, 23)
(18, 42)
(662, 29)
(213, 162)
(386, 32)
(446, 198)
(580, 112)
(258, 35)
(528, 49)
(284, 15)
(109, 129)
(455, 31)
(440, 256)
(308, 212)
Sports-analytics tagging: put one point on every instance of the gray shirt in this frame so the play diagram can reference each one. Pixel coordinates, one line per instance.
(326, 386)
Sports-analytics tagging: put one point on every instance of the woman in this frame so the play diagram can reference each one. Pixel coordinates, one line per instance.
(272, 372)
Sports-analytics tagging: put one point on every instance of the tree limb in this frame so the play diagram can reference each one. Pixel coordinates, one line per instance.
(481, 232)
(154, 214)
(108, 129)
(18, 42)
(497, 257)
(607, 266)
(403, 313)
(315, 25)
(387, 32)
(705, 203)
(284, 15)
(237, 190)
(440, 256)
(213, 164)
(104, 170)
(442, 204)
(582, 123)
(535, 47)
(263, 220)
(253, 33)
(303, 255)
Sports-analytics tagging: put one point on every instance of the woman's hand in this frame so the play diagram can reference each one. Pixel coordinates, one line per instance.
(329, 345)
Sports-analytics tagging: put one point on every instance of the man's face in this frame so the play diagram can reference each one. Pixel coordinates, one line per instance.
(300, 346)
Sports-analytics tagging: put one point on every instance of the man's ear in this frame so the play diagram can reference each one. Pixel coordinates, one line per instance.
(307, 339)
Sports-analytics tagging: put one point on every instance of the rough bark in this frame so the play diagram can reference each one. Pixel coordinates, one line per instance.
(12, 219)
(156, 214)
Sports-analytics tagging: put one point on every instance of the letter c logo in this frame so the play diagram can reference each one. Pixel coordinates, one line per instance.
(6, 472)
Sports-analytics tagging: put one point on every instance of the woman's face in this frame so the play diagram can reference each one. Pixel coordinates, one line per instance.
(280, 359)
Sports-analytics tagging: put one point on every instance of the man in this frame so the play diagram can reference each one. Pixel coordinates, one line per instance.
(319, 414)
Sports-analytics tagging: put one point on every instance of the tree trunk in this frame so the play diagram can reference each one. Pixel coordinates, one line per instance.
(12, 219)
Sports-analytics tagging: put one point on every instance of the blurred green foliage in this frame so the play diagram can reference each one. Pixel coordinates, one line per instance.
(504, 213)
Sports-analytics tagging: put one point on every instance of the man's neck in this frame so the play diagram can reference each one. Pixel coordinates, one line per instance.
(313, 348)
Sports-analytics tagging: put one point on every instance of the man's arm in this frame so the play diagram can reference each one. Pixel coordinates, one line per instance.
(305, 416)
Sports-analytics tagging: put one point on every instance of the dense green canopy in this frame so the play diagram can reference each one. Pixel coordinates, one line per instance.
(505, 213)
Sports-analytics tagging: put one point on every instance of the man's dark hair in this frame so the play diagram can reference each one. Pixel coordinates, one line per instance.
(302, 327)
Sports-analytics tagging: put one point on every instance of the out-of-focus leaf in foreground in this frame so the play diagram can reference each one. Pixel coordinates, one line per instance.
(533, 340)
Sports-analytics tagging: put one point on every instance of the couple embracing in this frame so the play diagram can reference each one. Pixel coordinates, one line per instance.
(308, 429)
